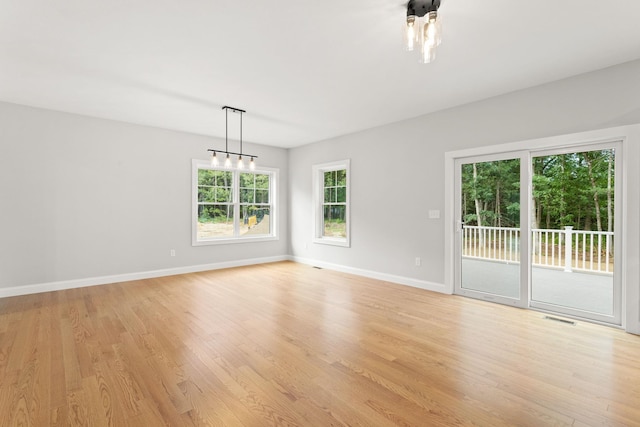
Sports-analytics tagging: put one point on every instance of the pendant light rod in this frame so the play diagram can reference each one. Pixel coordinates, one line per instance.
(234, 109)
(212, 150)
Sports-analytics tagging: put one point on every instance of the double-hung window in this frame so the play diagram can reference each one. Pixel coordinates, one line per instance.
(231, 205)
(331, 189)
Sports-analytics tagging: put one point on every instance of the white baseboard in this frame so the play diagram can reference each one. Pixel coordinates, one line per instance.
(127, 277)
(402, 280)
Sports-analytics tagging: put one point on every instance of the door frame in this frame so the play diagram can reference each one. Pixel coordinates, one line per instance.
(627, 310)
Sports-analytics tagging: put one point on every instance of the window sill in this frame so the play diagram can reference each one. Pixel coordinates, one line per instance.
(233, 240)
(332, 241)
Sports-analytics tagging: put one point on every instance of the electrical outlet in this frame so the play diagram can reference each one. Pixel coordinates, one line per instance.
(172, 252)
(418, 262)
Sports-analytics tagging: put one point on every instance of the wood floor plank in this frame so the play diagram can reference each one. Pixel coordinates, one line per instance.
(103, 393)
(286, 344)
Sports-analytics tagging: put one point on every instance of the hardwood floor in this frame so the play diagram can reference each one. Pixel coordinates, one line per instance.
(285, 344)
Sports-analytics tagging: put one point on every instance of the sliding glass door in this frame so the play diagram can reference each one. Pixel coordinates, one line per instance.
(490, 244)
(573, 233)
(540, 229)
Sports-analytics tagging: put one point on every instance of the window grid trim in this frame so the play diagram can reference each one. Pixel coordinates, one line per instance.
(234, 203)
(320, 204)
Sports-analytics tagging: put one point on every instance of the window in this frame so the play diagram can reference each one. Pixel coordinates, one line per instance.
(331, 187)
(232, 205)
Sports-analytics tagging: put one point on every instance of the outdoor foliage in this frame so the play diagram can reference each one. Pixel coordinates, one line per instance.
(491, 193)
(215, 195)
(335, 199)
(254, 195)
(573, 189)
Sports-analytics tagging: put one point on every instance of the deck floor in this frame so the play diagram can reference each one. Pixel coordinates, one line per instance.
(578, 290)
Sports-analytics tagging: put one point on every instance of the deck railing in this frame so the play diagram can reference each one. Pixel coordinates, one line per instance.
(566, 249)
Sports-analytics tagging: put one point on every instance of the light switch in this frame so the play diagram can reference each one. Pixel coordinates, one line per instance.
(434, 214)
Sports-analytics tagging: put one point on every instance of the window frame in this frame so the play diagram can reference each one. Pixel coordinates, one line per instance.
(235, 203)
(318, 200)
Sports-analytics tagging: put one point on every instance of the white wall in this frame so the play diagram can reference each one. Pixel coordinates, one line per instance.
(83, 198)
(398, 170)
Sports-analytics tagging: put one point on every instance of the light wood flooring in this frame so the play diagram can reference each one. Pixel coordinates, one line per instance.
(286, 344)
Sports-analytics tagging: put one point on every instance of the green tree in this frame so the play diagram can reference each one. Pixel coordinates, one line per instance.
(573, 189)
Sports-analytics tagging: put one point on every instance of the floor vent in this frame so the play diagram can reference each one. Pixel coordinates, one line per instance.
(557, 319)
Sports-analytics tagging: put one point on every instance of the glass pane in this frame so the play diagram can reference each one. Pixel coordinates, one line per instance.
(329, 195)
(262, 196)
(222, 178)
(247, 180)
(215, 221)
(206, 194)
(262, 181)
(572, 231)
(491, 232)
(335, 223)
(341, 196)
(223, 195)
(341, 177)
(329, 178)
(206, 177)
(255, 221)
(247, 195)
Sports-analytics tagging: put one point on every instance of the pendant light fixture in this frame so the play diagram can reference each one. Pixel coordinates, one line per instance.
(423, 28)
(227, 161)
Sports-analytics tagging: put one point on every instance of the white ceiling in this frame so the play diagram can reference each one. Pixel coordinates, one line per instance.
(305, 70)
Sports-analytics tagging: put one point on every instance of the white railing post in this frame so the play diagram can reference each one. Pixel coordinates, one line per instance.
(568, 240)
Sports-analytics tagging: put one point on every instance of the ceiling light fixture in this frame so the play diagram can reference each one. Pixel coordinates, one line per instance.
(227, 161)
(423, 28)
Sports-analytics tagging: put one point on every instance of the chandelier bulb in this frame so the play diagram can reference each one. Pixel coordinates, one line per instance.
(410, 32)
(428, 54)
(432, 31)
(227, 162)
(240, 162)
(252, 164)
(214, 159)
